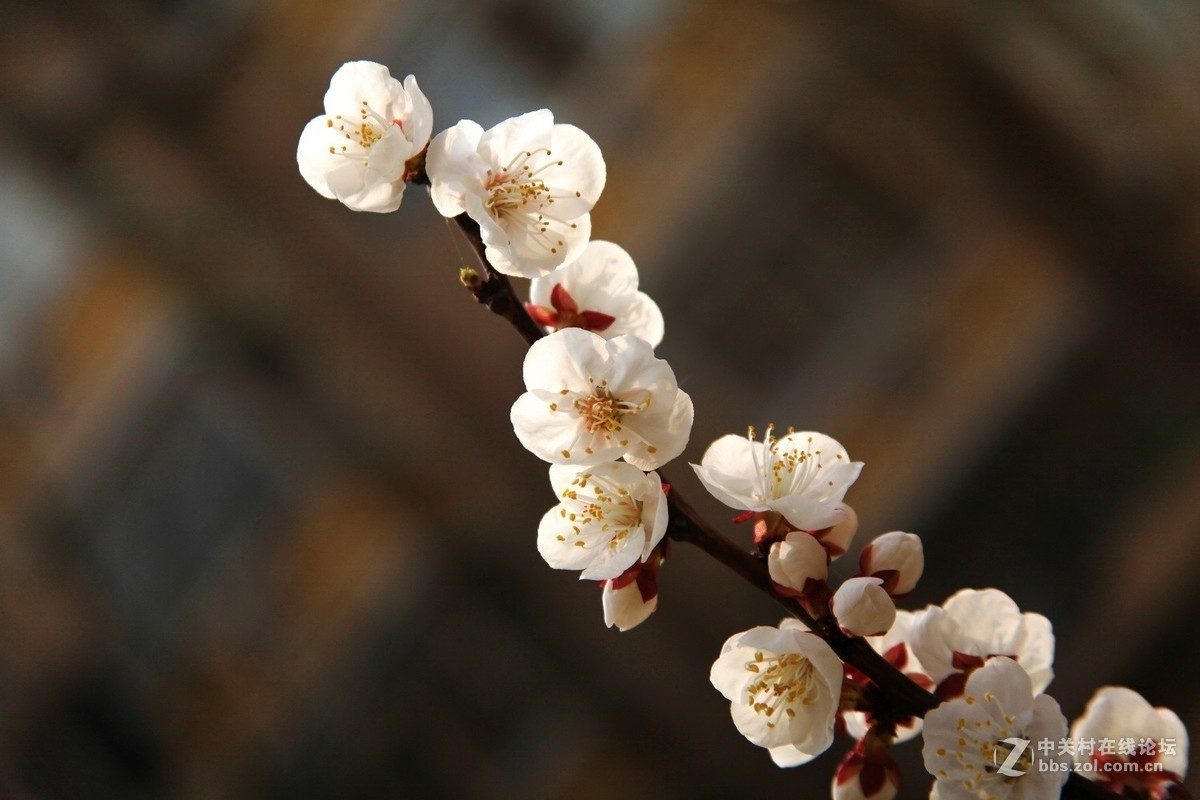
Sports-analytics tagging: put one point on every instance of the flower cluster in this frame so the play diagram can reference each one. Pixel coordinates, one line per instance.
(606, 413)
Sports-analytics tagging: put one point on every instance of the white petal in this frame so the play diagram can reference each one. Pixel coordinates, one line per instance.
(862, 607)
(357, 81)
(419, 121)
(641, 318)
(527, 133)
(655, 514)
(455, 168)
(796, 560)
(932, 640)
(625, 608)
(561, 476)
(609, 561)
(728, 674)
(1036, 649)
(668, 437)
(580, 179)
(565, 360)
(556, 542)
(791, 756)
(729, 473)
(363, 190)
(986, 615)
(520, 254)
(895, 551)
(313, 156)
(603, 278)
(1005, 681)
(806, 513)
(837, 539)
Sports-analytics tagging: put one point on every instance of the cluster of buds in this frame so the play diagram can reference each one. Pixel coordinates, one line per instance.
(606, 413)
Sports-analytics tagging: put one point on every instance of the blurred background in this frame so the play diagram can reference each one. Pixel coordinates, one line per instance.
(265, 531)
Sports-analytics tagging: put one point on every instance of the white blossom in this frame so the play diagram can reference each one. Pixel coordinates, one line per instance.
(357, 151)
(803, 476)
(592, 400)
(897, 558)
(974, 625)
(529, 184)
(862, 607)
(797, 560)
(1147, 747)
(598, 291)
(610, 516)
(783, 685)
(968, 741)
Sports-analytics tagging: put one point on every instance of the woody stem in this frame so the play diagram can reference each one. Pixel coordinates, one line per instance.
(685, 525)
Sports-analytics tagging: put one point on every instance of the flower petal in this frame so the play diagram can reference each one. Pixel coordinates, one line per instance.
(454, 167)
(641, 318)
(527, 133)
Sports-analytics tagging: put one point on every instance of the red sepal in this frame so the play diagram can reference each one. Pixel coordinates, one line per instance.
(562, 301)
(541, 315)
(596, 320)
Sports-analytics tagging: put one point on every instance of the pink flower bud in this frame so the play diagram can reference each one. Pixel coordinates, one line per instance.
(863, 608)
(797, 562)
(897, 559)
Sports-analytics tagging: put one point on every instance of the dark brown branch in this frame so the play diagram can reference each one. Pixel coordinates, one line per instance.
(496, 292)
(493, 289)
(905, 696)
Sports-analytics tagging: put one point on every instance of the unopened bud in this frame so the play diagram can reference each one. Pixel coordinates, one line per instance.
(862, 607)
(797, 562)
(632, 597)
(897, 558)
(625, 607)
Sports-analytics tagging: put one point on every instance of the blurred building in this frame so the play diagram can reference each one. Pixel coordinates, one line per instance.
(264, 529)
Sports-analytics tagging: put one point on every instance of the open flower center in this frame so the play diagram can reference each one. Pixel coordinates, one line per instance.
(602, 413)
(994, 754)
(517, 195)
(600, 506)
(784, 471)
(782, 682)
(361, 133)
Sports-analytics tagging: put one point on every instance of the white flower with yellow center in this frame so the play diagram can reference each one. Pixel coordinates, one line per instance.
(529, 184)
(803, 476)
(590, 400)
(990, 743)
(610, 517)
(783, 685)
(357, 150)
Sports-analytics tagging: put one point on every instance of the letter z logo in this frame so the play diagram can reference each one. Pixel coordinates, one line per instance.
(1014, 755)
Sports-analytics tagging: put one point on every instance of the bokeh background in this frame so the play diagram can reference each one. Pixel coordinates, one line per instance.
(264, 529)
